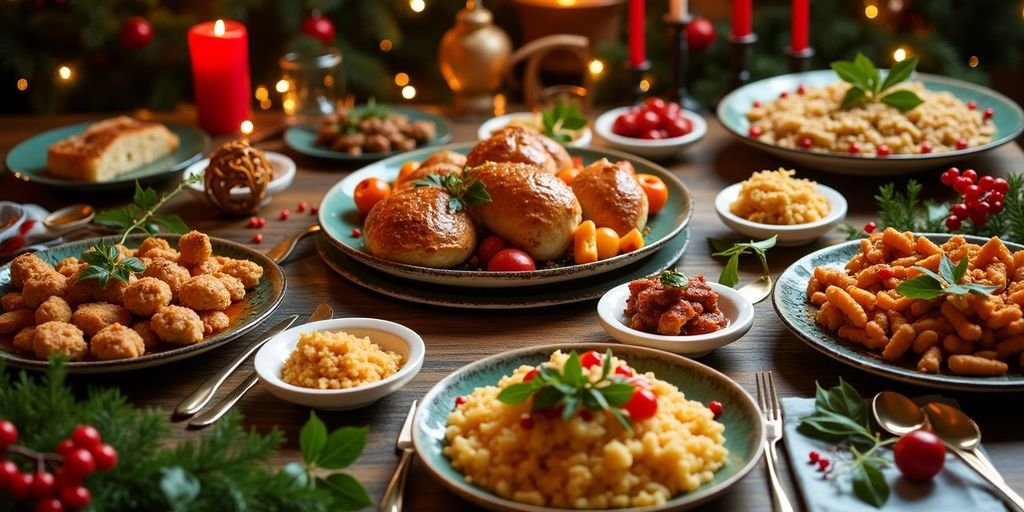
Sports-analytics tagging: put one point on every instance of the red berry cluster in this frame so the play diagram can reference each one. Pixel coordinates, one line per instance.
(655, 119)
(76, 457)
(981, 197)
(819, 459)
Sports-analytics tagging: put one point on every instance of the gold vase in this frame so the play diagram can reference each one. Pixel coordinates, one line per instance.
(473, 56)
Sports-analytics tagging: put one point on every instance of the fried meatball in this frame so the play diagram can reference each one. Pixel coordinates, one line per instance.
(204, 293)
(80, 291)
(194, 248)
(14, 321)
(234, 287)
(69, 266)
(113, 292)
(248, 272)
(125, 252)
(147, 295)
(92, 317)
(42, 286)
(145, 332)
(55, 309)
(178, 325)
(12, 301)
(151, 244)
(59, 338)
(116, 342)
(25, 339)
(25, 266)
(167, 254)
(207, 266)
(214, 321)
(169, 272)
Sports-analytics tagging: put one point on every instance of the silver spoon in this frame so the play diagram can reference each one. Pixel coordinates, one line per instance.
(284, 249)
(959, 430)
(69, 217)
(899, 415)
(758, 290)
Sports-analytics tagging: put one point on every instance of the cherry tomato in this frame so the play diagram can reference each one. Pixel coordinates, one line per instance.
(672, 111)
(511, 260)
(530, 375)
(369, 192)
(652, 134)
(647, 121)
(407, 169)
(624, 371)
(657, 192)
(919, 455)
(643, 405)
(607, 243)
(678, 127)
(488, 248)
(590, 359)
(656, 105)
(626, 124)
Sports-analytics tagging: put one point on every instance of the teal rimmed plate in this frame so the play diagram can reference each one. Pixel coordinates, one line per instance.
(508, 298)
(27, 161)
(339, 216)
(732, 112)
(792, 306)
(743, 425)
(259, 303)
(302, 138)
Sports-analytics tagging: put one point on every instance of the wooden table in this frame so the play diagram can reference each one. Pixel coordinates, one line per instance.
(455, 338)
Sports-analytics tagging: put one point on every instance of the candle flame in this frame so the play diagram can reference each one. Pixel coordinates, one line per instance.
(408, 92)
(246, 127)
(218, 28)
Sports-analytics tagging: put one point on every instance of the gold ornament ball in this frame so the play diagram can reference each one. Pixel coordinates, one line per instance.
(237, 164)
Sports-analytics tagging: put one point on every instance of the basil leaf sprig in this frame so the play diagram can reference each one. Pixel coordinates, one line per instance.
(105, 260)
(571, 389)
(674, 278)
(841, 416)
(930, 286)
(730, 275)
(323, 454)
(462, 192)
(562, 121)
(866, 82)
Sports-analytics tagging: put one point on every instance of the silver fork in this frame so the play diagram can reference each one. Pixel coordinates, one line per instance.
(768, 399)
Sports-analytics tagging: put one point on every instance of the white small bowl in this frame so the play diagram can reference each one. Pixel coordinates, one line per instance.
(789, 235)
(736, 308)
(496, 123)
(282, 166)
(659, 149)
(388, 335)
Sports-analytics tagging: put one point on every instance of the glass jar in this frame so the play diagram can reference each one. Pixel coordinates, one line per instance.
(312, 85)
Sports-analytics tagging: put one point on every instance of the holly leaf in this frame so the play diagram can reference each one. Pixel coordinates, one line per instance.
(903, 100)
(312, 439)
(869, 485)
(346, 492)
(342, 448)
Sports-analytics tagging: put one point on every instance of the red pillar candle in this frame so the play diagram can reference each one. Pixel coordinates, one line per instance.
(800, 30)
(637, 51)
(742, 14)
(220, 74)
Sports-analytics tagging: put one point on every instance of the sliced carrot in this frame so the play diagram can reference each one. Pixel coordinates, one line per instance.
(631, 241)
(584, 248)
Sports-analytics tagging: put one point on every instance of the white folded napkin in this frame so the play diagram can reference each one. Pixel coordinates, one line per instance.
(22, 229)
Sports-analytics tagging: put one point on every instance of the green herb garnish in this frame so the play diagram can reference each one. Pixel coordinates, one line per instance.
(572, 390)
(337, 450)
(462, 194)
(866, 82)
(357, 115)
(104, 259)
(675, 279)
(930, 286)
(563, 121)
(730, 275)
(841, 416)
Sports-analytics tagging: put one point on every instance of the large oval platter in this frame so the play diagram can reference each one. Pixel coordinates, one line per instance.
(797, 313)
(743, 426)
(259, 303)
(732, 112)
(339, 216)
(522, 297)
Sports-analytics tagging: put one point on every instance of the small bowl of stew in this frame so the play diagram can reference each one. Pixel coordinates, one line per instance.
(649, 313)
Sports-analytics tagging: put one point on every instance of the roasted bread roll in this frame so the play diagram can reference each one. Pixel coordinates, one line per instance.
(444, 157)
(415, 226)
(520, 145)
(611, 196)
(533, 210)
(440, 169)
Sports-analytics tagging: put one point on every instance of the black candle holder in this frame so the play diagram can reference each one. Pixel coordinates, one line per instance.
(742, 59)
(799, 61)
(637, 75)
(679, 60)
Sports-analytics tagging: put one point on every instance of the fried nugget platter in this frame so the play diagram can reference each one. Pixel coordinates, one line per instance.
(253, 294)
(801, 316)
(339, 216)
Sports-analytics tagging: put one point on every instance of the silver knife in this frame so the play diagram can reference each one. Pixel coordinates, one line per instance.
(211, 415)
(392, 500)
(202, 395)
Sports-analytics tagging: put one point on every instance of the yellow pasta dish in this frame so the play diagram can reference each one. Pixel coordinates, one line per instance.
(531, 440)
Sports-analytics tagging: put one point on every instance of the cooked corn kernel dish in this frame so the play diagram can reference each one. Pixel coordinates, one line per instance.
(815, 121)
(589, 460)
(974, 334)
